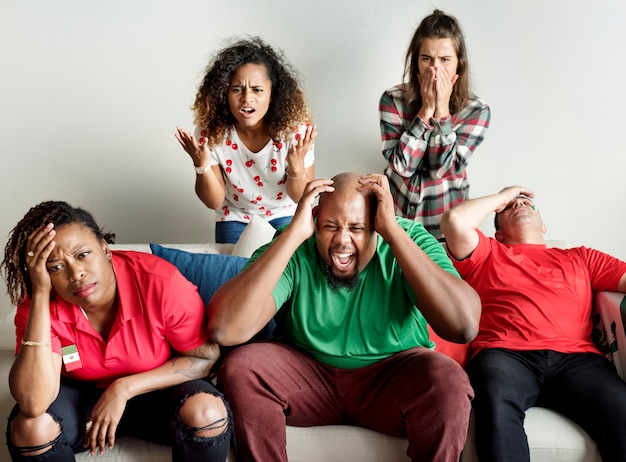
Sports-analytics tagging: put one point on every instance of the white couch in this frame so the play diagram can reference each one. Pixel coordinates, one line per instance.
(551, 436)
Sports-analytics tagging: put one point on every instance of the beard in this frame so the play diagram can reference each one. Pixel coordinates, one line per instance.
(337, 282)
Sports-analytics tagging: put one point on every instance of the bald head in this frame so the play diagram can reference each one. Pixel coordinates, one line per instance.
(345, 185)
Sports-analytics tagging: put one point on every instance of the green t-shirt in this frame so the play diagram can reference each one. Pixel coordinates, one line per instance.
(353, 328)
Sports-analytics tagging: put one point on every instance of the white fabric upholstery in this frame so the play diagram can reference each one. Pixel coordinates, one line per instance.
(552, 437)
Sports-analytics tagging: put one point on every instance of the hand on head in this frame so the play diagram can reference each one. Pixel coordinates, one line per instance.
(307, 209)
(38, 247)
(511, 192)
(385, 210)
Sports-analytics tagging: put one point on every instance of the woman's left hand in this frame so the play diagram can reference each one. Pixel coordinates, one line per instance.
(298, 150)
(104, 419)
(444, 85)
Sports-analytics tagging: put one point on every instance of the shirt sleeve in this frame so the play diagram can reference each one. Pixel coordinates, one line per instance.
(411, 145)
(605, 271)
(468, 265)
(185, 317)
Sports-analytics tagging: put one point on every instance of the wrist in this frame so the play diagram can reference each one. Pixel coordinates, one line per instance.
(293, 175)
(201, 170)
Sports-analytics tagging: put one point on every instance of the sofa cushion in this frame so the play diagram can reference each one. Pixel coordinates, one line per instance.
(257, 233)
(208, 271)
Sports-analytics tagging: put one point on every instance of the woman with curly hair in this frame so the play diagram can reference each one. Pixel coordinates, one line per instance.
(108, 343)
(431, 124)
(253, 144)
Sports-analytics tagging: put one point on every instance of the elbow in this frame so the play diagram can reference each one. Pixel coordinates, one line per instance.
(467, 329)
(225, 333)
(227, 337)
(469, 333)
(472, 324)
(447, 221)
(31, 408)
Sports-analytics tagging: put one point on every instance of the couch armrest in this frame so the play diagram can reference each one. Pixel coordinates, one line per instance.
(609, 317)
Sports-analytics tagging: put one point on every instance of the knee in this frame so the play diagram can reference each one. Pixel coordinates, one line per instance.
(447, 372)
(33, 435)
(206, 414)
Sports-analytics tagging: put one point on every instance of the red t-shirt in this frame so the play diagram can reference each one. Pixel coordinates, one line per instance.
(159, 310)
(537, 298)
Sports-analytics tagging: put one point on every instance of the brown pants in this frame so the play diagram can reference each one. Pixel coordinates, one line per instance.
(416, 394)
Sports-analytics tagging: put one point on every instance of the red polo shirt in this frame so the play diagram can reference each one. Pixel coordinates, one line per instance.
(537, 298)
(159, 310)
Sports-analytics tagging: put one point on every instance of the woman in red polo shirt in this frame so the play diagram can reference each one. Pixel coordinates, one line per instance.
(108, 343)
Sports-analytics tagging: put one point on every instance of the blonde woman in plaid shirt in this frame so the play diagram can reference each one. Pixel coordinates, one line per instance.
(431, 124)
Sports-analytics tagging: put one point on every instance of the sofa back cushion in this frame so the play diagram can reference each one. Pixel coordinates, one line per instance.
(208, 271)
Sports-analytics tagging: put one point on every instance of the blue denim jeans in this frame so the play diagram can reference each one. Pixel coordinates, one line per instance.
(582, 386)
(228, 232)
(152, 417)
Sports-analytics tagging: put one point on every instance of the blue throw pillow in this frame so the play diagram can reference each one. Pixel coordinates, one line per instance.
(208, 271)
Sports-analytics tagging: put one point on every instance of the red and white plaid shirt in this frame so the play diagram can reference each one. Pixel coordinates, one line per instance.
(427, 161)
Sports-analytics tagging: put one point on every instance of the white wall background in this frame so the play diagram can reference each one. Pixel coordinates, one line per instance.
(91, 91)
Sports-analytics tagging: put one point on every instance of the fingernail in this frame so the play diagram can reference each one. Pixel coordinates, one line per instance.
(201, 140)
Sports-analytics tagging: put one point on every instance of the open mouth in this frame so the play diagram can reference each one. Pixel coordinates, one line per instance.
(342, 261)
(248, 110)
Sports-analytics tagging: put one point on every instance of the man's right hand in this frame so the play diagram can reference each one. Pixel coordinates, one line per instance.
(511, 192)
(303, 220)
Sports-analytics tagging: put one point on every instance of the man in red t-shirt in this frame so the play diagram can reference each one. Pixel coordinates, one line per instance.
(534, 342)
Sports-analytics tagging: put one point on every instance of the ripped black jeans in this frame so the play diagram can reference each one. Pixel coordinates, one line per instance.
(152, 417)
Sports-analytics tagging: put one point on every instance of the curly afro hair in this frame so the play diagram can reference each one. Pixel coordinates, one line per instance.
(287, 108)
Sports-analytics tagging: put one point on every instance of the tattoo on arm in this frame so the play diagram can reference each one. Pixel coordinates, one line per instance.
(198, 368)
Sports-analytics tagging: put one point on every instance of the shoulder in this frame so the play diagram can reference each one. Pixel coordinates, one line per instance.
(475, 104)
(128, 262)
(396, 93)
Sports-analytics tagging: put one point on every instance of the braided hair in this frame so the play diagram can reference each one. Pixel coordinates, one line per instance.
(287, 108)
(14, 264)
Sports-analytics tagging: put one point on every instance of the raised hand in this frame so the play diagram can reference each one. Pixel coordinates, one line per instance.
(303, 219)
(197, 149)
(298, 150)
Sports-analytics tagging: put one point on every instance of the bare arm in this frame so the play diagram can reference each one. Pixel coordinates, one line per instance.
(34, 379)
(459, 224)
(244, 304)
(106, 414)
(448, 303)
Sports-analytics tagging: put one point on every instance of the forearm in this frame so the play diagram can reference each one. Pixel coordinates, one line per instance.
(177, 370)
(35, 373)
(244, 304)
(447, 302)
(297, 179)
(405, 150)
(453, 141)
(469, 214)
(210, 188)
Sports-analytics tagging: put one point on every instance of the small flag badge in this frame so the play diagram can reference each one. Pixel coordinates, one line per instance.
(71, 358)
